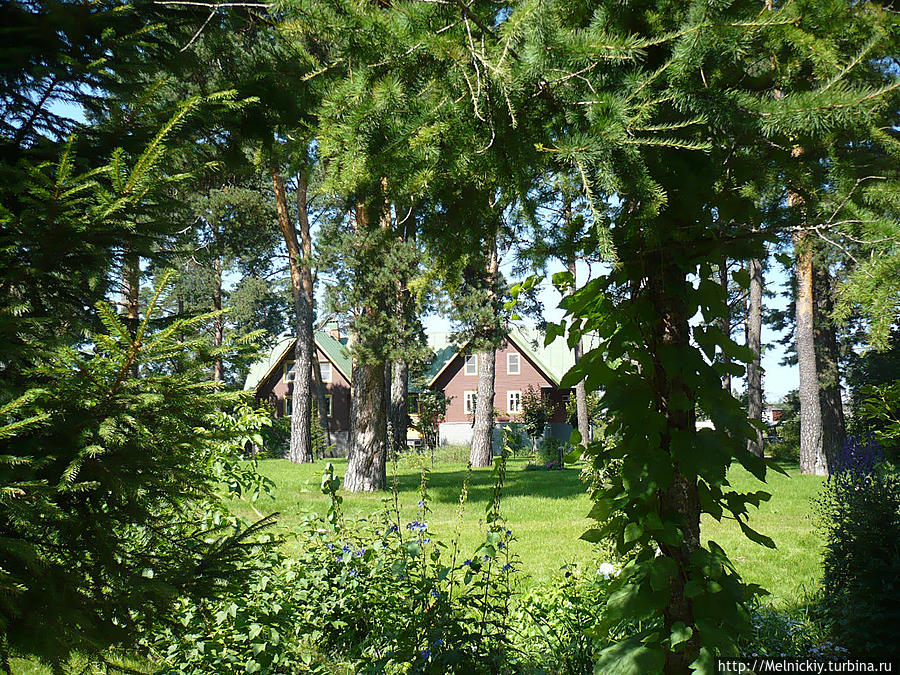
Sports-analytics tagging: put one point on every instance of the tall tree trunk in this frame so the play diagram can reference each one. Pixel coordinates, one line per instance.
(482, 452)
(581, 406)
(725, 321)
(754, 342)
(400, 404)
(131, 280)
(666, 289)
(812, 457)
(834, 429)
(368, 407)
(218, 321)
(301, 415)
(366, 462)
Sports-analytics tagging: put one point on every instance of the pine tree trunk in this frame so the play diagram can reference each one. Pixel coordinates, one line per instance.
(667, 288)
(301, 434)
(366, 461)
(482, 453)
(131, 280)
(368, 406)
(218, 322)
(812, 458)
(581, 406)
(400, 404)
(834, 429)
(725, 321)
(754, 342)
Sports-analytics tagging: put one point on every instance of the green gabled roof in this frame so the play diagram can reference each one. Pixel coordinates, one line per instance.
(554, 360)
(335, 350)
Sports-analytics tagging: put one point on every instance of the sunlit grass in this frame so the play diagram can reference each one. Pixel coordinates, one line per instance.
(547, 512)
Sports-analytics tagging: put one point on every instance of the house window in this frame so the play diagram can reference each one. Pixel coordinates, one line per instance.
(469, 402)
(514, 402)
(413, 404)
(512, 363)
(290, 373)
(325, 370)
(472, 364)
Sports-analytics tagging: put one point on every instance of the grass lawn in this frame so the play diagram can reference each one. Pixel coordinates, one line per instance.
(546, 511)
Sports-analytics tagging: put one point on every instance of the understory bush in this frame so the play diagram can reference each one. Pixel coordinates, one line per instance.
(859, 509)
(797, 632)
(376, 595)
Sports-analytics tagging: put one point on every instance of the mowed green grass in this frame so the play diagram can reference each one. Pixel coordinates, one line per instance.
(546, 510)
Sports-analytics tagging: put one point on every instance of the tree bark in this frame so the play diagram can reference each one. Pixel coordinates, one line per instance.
(725, 321)
(754, 342)
(581, 406)
(131, 280)
(301, 415)
(834, 429)
(366, 470)
(368, 407)
(482, 451)
(812, 457)
(667, 288)
(400, 404)
(218, 321)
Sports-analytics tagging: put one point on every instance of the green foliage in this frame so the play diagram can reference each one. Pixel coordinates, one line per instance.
(859, 510)
(110, 508)
(535, 414)
(432, 411)
(375, 593)
(787, 447)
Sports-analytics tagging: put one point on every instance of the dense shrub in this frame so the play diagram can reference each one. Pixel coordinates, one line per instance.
(860, 515)
(377, 594)
(797, 632)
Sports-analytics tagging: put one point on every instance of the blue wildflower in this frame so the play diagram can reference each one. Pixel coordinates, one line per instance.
(421, 503)
(438, 642)
(435, 593)
(414, 525)
(354, 573)
(346, 549)
(426, 540)
(509, 533)
(360, 552)
(392, 529)
(500, 546)
(468, 563)
(507, 567)
(486, 557)
(329, 546)
(426, 654)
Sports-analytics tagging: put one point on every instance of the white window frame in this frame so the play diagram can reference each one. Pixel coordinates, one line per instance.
(469, 402)
(330, 371)
(518, 360)
(288, 405)
(290, 372)
(509, 401)
(329, 405)
(471, 360)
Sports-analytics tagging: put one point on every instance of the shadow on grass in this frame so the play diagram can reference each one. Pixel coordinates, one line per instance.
(444, 486)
